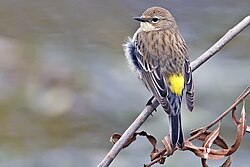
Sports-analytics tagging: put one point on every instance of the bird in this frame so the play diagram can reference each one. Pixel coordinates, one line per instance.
(159, 57)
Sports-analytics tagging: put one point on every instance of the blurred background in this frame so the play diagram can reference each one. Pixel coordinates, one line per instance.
(65, 86)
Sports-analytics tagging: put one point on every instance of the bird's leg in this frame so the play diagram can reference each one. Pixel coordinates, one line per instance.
(149, 103)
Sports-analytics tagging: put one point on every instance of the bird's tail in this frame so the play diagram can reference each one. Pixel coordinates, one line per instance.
(175, 127)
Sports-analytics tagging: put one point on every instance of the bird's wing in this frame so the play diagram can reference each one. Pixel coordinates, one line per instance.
(153, 79)
(189, 85)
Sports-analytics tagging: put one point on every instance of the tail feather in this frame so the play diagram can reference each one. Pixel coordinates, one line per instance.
(175, 127)
(181, 139)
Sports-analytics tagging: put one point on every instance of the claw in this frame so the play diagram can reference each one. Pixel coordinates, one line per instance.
(149, 103)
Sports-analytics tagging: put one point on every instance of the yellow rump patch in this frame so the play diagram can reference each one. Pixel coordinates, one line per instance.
(176, 83)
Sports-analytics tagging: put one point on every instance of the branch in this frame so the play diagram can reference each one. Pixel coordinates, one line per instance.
(149, 109)
(195, 134)
(221, 43)
(237, 101)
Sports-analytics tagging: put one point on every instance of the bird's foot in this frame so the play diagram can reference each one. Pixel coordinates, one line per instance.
(149, 103)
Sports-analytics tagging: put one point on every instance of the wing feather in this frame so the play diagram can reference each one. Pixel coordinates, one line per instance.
(189, 86)
(153, 79)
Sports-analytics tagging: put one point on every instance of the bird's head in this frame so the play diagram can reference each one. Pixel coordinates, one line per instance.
(156, 18)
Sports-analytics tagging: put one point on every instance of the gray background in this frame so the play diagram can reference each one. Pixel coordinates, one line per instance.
(65, 86)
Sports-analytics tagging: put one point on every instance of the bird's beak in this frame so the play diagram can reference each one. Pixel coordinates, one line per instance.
(141, 19)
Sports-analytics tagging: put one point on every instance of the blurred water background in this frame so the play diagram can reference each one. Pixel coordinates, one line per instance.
(65, 86)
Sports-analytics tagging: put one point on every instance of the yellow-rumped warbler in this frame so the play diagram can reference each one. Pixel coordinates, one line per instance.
(159, 57)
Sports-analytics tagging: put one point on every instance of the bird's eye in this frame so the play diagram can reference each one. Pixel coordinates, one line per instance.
(155, 19)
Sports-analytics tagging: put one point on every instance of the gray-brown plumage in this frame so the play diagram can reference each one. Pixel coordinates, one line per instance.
(159, 56)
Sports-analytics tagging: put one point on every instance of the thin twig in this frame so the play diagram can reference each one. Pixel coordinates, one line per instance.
(221, 43)
(149, 109)
(237, 101)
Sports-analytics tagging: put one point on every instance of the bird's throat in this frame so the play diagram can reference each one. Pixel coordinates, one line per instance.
(145, 26)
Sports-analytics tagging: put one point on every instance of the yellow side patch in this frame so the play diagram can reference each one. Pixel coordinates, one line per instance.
(176, 83)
